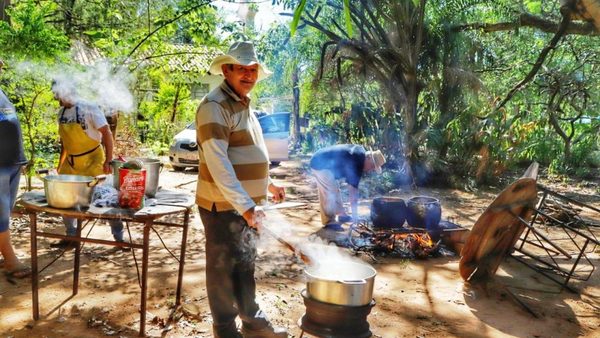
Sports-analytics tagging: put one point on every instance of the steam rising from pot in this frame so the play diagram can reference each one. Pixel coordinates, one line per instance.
(103, 83)
(316, 249)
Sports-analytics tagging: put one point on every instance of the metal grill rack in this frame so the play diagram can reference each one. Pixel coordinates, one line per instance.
(562, 255)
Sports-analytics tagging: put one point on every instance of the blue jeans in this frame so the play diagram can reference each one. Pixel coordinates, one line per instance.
(116, 228)
(9, 185)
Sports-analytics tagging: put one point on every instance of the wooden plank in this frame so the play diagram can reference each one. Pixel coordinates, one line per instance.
(496, 231)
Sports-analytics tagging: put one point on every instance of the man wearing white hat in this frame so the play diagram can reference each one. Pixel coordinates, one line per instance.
(347, 162)
(233, 178)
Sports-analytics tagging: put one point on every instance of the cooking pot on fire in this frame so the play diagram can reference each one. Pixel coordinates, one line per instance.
(341, 283)
(70, 191)
(423, 212)
(388, 212)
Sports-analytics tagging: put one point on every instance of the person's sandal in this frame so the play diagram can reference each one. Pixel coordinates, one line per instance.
(19, 273)
(65, 244)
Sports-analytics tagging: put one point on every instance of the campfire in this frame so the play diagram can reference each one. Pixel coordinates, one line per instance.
(396, 228)
(401, 242)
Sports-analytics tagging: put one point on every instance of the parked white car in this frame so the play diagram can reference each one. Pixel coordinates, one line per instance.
(276, 132)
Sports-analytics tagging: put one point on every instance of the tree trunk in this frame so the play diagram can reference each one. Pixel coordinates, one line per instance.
(4, 4)
(410, 150)
(29, 121)
(553, 104)
(69, 5)
(296, 106)
(445, 98)
(175, 103)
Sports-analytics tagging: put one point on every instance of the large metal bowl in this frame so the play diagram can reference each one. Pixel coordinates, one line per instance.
(341, 283)
(69, 191)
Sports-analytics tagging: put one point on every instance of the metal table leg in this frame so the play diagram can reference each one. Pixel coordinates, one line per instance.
(34, 266)
(77, 260)
(186, 219)
(147, 228)
(581, 253)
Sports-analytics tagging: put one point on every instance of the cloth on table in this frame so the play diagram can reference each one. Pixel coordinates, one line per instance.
(105, 196)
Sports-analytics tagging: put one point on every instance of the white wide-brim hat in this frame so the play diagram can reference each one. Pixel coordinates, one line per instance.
(240, 53)
(378, 160)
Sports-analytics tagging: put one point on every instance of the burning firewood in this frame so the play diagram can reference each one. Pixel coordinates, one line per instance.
(405, 243)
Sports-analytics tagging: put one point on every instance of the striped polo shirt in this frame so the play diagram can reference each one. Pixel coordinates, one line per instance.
(233, 172)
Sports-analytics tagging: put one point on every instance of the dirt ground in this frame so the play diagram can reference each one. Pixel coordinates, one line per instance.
(414, 298)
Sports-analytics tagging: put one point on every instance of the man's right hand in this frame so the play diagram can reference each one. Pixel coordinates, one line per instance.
(254, 217)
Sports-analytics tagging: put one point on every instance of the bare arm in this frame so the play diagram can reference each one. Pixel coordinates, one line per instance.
(107, 142)
(63, 155)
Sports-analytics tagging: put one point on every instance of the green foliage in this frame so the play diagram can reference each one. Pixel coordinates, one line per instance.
(461, 75)
(297, 14)
(172, 100)
(199, 28)
(29, 36)
(534, 6)
(28, 91)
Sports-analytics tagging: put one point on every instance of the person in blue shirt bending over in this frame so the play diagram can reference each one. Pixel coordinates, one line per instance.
(341, 162)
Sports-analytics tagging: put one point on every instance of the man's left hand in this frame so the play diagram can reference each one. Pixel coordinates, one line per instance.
(277, 192)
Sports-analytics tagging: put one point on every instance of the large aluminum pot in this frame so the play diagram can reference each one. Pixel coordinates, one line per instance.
(70, 191)
(341, 283)
(153, 168)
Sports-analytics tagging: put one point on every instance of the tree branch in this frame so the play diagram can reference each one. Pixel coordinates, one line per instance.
(166, 23)
(528, 20)
(541, 58)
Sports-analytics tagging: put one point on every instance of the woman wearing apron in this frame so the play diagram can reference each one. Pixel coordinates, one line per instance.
(87, 147)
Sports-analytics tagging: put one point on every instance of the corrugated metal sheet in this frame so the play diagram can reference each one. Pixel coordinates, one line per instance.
(84, 54)
(193, 59)
(182, 58)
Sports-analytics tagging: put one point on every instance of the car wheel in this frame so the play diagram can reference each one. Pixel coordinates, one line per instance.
(178, 168)
(275, 163)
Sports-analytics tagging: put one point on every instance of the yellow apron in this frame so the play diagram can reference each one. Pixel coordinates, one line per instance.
(85, 155)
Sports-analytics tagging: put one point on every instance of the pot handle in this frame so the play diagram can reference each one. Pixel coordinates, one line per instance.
(354, 282)
(41, 173)
(96, 180)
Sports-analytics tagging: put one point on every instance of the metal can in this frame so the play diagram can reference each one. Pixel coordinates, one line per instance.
(132, 187)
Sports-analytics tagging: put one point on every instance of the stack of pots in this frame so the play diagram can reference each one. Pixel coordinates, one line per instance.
(153, 168)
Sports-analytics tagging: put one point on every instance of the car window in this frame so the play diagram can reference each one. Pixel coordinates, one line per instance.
(278, 123)
(191, 126)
